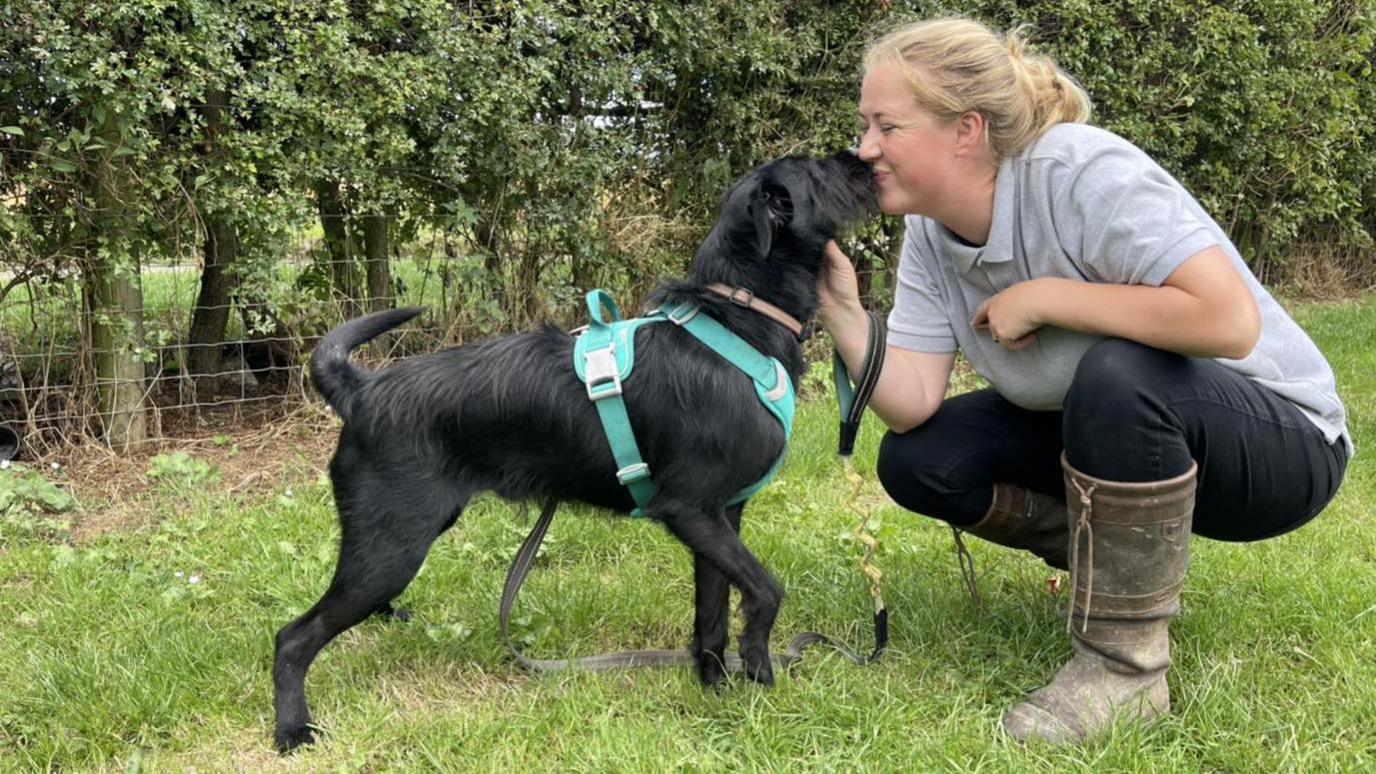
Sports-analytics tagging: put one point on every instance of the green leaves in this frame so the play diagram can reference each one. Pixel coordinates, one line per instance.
(180, 469)
(25, 490)
(557, 144)
(31, 505)
(1253, 106)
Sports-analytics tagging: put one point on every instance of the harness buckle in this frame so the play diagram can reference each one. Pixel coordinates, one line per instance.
(603, 377)
(633, 473)
(681, 314)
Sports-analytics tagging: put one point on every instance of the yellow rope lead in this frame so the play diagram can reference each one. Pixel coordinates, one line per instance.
(862, 534)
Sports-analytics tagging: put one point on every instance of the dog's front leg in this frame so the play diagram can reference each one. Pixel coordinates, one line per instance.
(712, 607)
(714, 540)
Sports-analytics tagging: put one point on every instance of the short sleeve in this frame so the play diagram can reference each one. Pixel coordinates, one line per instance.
(1123, 217)
(919, 320)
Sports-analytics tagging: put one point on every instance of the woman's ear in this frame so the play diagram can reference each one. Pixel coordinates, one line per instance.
(970, 133)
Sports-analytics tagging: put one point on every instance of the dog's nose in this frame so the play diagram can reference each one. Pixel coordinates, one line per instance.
(853, 164)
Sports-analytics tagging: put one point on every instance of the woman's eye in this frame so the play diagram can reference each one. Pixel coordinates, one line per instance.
(886, 128)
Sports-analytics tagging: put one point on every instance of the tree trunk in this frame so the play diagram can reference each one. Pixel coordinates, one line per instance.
(375, 250)
(339, 242)
(115, 317)
(530, 307)
(116, 327)
(211, 315)
(488, 232)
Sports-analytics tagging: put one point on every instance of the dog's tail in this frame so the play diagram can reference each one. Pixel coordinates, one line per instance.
(332, 373)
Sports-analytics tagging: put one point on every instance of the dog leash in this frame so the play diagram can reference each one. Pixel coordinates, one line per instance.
(852, 402)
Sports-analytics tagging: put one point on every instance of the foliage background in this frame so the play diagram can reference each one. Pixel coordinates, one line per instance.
(492, 160)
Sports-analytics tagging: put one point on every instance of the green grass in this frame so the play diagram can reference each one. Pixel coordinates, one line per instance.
(111, 658)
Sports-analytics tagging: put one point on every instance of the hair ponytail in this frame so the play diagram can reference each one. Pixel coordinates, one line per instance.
(1055, 97)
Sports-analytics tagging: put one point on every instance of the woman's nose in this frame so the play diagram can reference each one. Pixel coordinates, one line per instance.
(866, 148)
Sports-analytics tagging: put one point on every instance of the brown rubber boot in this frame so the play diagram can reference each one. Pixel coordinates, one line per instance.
(1027, 520)
(1129, 553)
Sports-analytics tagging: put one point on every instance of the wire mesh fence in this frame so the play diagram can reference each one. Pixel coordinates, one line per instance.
(51, 390)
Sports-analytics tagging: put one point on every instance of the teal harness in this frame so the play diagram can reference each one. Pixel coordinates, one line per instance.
(604, 355)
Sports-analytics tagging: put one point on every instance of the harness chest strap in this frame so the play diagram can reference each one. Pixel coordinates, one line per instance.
(605, 354)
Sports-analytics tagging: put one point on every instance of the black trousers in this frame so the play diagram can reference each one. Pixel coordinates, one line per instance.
(1133, 413)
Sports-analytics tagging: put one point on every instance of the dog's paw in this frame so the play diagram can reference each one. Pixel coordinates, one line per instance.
(711, 669)
(393, 613)
(289, 739)
(758, 667)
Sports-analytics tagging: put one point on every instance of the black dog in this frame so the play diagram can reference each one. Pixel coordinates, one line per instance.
(511, 416)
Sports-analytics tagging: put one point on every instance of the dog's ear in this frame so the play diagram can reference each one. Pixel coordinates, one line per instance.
(770, 208)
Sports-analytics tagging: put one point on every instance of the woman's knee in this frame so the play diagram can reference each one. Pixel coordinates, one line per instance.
(905, 469)
(914, 469)
(1114, 370)
(894, 465)
(1117, 422)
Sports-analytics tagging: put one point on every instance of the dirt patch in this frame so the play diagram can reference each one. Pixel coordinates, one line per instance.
(253, 452)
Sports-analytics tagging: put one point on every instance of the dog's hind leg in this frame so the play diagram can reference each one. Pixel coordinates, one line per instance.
(376, 563)
(712, 539)
(712, 608)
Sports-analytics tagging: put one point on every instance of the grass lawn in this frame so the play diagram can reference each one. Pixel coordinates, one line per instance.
(148, 646)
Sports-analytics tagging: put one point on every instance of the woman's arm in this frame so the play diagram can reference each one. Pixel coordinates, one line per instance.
(912, 384)
(1204, 309)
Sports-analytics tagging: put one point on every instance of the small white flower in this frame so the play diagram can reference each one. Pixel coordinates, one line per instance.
(4, 464)
(178, 573)
(56, 466)
(194, 579)
(288, 493)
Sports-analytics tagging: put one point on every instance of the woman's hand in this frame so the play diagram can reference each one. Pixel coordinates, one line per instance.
(838, 291)
(911, 384)
(1013, 316)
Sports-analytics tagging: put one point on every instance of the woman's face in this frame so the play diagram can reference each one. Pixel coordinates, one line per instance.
(910, 149)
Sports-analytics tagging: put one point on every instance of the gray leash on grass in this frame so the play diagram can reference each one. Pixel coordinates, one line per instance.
(852, 404)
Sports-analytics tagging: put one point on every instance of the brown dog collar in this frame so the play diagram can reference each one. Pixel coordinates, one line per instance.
(747, 299)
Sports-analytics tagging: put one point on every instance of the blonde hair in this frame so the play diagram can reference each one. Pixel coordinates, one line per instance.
(956, 65)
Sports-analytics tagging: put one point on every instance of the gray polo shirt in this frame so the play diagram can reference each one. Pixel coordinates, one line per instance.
(1083, 203)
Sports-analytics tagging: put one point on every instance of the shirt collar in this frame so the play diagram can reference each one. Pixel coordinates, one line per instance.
(999, 247)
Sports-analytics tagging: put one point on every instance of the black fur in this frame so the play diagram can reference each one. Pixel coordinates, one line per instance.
(510, 416)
